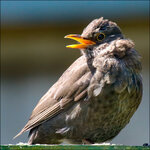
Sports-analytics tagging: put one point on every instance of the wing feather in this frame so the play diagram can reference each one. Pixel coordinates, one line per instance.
(71, 87)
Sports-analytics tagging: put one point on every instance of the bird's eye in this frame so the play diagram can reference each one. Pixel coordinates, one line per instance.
(100, 36)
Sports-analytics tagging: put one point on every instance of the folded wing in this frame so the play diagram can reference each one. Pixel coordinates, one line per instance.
(71, 87)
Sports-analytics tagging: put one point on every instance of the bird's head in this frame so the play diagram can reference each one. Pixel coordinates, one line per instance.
(99, 31)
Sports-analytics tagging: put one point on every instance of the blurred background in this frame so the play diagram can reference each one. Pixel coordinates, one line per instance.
(33, 56)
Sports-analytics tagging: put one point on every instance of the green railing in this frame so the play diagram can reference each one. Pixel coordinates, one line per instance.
(72, 147)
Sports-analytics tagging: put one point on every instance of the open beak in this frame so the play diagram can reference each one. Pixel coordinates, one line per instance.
(83, 43)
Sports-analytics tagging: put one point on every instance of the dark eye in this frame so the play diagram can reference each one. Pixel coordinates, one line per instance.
(100, 36)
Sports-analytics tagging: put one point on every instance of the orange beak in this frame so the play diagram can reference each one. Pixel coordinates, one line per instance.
(83, 43)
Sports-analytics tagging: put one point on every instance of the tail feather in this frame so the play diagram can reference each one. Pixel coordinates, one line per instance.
(26, 128)
(19, 133)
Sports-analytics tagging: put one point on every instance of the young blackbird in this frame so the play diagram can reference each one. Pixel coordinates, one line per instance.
(96, 96)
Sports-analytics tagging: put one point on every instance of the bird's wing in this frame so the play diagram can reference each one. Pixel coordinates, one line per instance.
(71, 87)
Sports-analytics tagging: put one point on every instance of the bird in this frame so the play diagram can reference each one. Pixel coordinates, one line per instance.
(96, 96)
